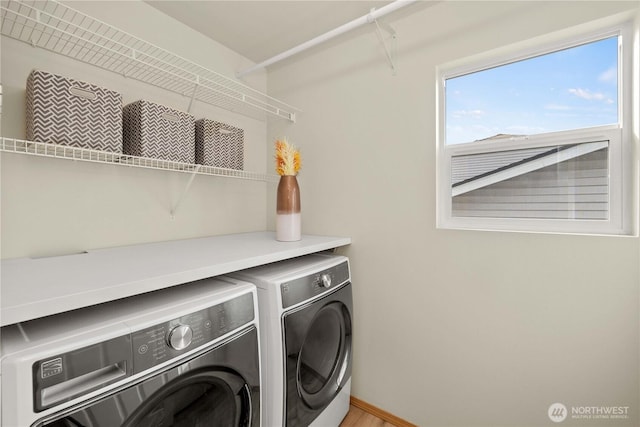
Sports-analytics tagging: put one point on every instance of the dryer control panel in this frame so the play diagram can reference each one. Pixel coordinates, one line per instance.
(157, 344)
(308, 287)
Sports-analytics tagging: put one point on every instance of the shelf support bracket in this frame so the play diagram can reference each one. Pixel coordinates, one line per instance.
(390, 52)
(175, 207)
(193, 95)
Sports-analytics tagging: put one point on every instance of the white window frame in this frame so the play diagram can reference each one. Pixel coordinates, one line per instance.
(619, 136)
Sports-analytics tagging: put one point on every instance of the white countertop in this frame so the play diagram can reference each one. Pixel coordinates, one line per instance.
(38, 287)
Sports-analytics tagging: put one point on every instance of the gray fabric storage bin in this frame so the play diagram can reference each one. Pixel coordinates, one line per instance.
(219, 144)
(64, 111)
(156, 131)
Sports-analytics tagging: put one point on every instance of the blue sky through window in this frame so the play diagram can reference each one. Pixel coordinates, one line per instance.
(569, 89)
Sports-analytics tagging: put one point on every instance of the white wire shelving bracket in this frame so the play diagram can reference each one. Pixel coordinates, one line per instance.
(55, 27)
(41, 149)
(389, 51)
(175, 207)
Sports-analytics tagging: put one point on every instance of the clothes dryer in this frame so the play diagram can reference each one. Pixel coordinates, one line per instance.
(186, 356)
(306, 312)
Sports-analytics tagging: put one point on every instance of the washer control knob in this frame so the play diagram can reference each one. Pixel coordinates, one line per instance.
(325, 279)
(180, 337)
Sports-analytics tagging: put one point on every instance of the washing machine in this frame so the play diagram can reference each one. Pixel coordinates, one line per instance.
(306, 337)
(186, 356)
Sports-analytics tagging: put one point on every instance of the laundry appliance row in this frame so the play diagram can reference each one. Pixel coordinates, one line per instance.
(267, 346)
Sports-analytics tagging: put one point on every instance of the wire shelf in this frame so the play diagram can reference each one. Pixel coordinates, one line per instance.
(42, 149)
(58, 28)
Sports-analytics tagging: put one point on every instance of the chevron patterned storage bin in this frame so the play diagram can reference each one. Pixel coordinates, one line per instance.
(70, 112)
(219, 144)
(156, 131)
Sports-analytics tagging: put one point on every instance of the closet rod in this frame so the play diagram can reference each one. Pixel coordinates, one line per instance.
(366, 19)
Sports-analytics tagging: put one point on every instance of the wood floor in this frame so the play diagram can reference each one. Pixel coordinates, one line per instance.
(359, 418)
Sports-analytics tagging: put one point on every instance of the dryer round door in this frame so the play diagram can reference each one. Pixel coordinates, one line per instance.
(318, 348)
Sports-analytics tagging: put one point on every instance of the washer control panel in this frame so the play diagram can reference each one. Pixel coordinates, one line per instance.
(308, 287)
(157, 344)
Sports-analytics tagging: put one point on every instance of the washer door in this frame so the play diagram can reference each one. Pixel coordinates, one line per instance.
(212, 399)
(197, 399)
(318, 348)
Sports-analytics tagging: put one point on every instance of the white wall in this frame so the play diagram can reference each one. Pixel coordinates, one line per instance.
(454, 328)
(52, 206)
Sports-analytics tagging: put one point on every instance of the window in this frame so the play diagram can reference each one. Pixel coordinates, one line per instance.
(536, 140)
